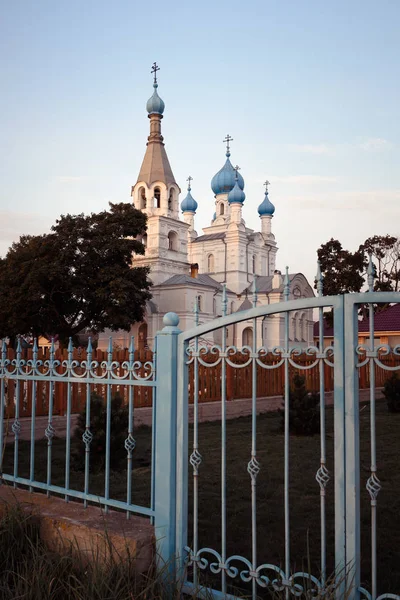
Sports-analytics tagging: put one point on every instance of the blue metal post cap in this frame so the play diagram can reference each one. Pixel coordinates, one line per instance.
(171, 319)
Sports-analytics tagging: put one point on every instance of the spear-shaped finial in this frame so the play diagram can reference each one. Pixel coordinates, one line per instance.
(131, 346)
(4, 349)
(286, 285)
(19, 347)
(254, 290)
(110, 348)
(371, 274)
(35, 348)
(52, 349)
(319, 280)
(70, 346)
(89, 348)
(224, 301)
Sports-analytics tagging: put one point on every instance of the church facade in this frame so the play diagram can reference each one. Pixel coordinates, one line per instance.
(189, 270)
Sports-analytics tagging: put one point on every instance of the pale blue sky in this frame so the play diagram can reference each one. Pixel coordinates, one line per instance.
(309, 90)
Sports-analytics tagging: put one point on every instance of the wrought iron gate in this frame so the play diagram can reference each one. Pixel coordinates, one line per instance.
(341, 477)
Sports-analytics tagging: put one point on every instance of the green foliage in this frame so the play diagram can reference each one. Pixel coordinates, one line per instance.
(385, 250)
(304, 414)
(342, 270)
(98, 418)
(391, 391)
(77, 277)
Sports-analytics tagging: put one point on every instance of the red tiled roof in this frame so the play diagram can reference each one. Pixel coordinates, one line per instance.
(386, 320)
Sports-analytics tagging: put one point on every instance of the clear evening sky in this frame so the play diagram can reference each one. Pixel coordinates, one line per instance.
(308, 89)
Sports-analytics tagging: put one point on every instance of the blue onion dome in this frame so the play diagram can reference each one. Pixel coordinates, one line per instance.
(189, 204)
(155, 104)
(266, 207)
(224, 181)
(214, 216)
(236, 196)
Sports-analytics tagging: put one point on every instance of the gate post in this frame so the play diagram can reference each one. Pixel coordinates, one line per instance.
(352, 445)
(165, 442)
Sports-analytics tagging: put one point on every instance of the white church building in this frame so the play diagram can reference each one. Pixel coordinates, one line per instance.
(188, 269)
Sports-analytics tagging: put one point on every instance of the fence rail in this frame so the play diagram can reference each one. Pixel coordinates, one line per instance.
(238, 380)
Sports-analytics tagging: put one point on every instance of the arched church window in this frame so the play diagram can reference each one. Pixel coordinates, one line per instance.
(221, 209)
(172, 241)
(157, 197)
(232, 307)
(210, 263)
(142, 198)
(214, 306)
(254, 263)
(171, 199)
(247, 337)
(144, 240)
(200, 303)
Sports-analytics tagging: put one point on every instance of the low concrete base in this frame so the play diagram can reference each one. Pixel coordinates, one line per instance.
(66, 525)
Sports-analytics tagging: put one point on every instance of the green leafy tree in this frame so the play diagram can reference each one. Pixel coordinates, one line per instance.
(385, 251)
(78, 277)
(343, 271)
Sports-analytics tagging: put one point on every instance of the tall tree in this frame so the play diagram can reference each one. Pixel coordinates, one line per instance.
(385, 250)
(343, 271)
(79, 276)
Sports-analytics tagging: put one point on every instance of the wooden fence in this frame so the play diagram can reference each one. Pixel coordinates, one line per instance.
(270, 382)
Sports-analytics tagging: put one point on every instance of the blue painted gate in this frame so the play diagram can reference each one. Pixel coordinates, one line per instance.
(341, 478)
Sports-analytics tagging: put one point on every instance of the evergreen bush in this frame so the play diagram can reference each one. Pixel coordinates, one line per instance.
(304, 413)
(98, 420)
(391, 391)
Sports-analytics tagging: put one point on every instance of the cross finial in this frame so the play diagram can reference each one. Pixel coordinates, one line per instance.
(227, 140)
(266, 183)
(236, 169)
(154, 70)
(189, 180)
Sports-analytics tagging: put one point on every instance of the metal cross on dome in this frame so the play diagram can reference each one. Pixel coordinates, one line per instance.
(189, 180)
(236, 169)
(227, 140)
(154, 70)
(266, 183)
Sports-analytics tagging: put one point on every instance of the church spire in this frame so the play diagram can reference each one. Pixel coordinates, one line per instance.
(155, 166)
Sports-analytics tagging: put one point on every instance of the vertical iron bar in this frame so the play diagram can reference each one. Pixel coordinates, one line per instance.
(108, 430)
(286, 427)
(68, 430)
(129, 445)
(87, 435)
(374, 467)
(153, 433)
(2, 401)
(33, 415)
(49, 429)
(322, 475)
(195, 447)
(253, 467)
(223, 448)
(17, 425)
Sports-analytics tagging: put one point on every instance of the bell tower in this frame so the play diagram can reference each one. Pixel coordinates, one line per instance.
(156, 193)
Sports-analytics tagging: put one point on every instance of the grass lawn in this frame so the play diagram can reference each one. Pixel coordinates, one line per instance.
(304, 491)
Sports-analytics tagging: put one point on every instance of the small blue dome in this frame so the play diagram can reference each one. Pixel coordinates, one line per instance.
(214, 216)
(155, 104)
(236, 195)
(266, 207)
(189, 204)
(224, 181)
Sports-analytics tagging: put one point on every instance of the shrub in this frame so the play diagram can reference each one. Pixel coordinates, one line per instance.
(304, 414)
(391, 391)
(98, 418)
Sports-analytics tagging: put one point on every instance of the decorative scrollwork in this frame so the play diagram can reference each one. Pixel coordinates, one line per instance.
(322, 477)
(195, 460)
(49, 432)
(368, 596)
(266, 575)
(373, 486)
(87, 437)
(253, 468)
(130, 444)
(16, 428)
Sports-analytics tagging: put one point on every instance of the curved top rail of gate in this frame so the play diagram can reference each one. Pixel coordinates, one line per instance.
(287, 306)
(265, 310)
